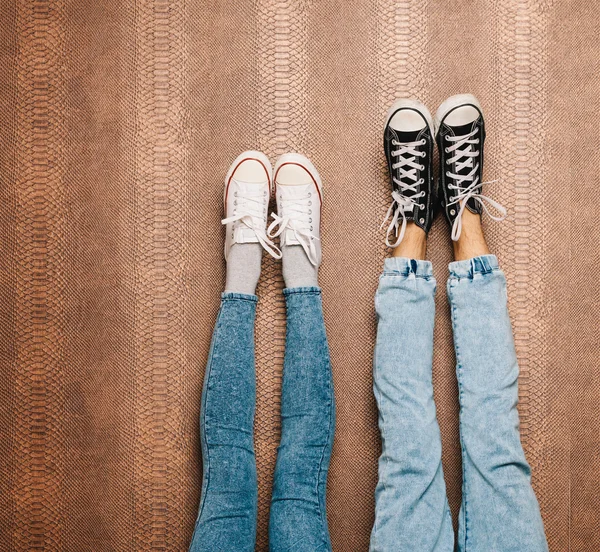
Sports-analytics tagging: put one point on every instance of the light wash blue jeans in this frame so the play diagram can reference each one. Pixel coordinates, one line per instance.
(227, 514)
(499, 511)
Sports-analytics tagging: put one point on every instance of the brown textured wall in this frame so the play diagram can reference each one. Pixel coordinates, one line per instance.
(118, 119)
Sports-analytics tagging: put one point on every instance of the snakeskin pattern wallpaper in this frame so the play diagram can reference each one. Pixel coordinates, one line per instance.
(118, 120)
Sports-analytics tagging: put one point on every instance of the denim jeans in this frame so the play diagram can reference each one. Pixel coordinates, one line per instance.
(227, 515)
(499, 511)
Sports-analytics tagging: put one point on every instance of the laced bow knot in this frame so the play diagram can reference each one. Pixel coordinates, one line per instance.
(297, 217)
(407, 182)
(464, 159)
(249, 211)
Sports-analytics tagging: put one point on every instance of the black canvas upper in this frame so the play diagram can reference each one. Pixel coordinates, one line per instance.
(422, 216)
(446, 195)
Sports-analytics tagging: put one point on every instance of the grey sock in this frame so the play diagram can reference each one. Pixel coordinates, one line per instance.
(243, 268)
(298, 271)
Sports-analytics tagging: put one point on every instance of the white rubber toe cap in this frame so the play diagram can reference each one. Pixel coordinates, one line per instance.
(408, 115)
(458, 110)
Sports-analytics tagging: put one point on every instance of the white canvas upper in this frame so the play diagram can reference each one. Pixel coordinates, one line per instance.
(298, 191)
(246, 197)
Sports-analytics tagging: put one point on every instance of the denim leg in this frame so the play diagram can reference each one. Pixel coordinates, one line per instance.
(499, 510)
(411, 509)
(298, 520)
(227, 517)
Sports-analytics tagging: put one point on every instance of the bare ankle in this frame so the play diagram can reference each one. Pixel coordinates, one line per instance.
(413, 244)
(471, 242)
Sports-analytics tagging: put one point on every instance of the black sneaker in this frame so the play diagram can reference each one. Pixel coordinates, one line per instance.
(408, 145)
(460, 137)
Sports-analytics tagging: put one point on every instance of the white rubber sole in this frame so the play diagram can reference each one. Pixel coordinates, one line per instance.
(256, 156)
(299, 159)
(410, 104)
(452, 103)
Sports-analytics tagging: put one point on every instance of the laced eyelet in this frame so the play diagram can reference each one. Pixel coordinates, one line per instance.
(423, 141)
(447, 150)
(421, 181)
(448, 174)
(423, 154)
(447, 138)
(421, 206)
(421, 167)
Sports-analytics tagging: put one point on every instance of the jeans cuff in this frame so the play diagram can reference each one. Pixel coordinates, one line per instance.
(483, 264)
(229, 295)
(306, 289)
(405, 266)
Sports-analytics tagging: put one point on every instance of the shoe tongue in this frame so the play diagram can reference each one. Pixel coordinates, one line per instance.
(244, 187)
(298, 191)
(290, 237)
(243, 234)
(294, 191)
(406, 136)
(461, 130)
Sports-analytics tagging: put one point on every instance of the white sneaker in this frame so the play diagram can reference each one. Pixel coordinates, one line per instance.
(299, 193)
(247, 192)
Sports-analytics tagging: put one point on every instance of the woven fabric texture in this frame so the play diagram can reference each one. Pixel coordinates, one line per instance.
(118, 120)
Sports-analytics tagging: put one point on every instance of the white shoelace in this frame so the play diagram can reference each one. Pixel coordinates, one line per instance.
(463, 157)
(407, 163)
(248, 210)
(297, 217)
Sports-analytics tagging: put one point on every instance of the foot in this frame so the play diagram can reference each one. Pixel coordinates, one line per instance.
(298, 190)
(408, 146)
(247, 193)
(471, 242)
(460, 136)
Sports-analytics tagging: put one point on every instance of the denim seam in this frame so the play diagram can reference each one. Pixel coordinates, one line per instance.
(396, 274)
(459, 372)
(379, 408)
(319, 484)
(383, 475)
(301, 291)
(238, 298)
(458, 278)
(204, 442)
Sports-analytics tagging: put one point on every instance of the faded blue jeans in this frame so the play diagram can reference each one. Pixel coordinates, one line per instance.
(227, 515)
(499, 511)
